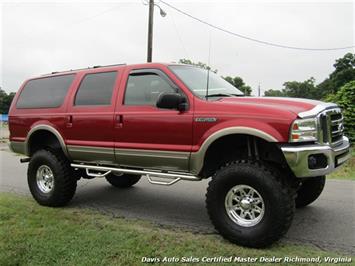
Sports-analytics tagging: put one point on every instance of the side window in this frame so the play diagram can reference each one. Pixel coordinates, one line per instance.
(96, 89)
(144, 89)
(46, 92)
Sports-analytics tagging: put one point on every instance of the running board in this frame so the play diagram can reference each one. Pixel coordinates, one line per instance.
(103, 171)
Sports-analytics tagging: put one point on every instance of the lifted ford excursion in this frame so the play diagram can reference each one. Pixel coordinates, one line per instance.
(169, 122)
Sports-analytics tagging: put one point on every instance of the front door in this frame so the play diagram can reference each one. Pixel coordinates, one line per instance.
(146, 136)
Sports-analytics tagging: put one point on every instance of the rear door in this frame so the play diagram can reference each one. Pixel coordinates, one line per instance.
(89, 127)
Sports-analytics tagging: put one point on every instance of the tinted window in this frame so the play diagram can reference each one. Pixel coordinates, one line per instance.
(45, 92)
(96, 89)
(144, 89)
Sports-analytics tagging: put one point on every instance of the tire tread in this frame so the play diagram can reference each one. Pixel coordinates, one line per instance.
(279, 228)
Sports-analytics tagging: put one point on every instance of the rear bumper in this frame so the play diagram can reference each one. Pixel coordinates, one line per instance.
(297, 158)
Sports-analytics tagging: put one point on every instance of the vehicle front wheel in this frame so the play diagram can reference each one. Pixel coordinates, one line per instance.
(309, 191)
(50, 178)
(249, 204)
(122, 181)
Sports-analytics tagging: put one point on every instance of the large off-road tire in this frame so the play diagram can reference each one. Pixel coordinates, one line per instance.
(122, 181)
(250, 204)
(309, 190)
(50, 178)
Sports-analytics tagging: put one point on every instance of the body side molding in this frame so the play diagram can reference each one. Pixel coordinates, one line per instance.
(159, 159)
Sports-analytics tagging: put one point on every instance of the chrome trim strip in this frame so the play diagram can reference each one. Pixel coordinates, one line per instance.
(197, 158)
(297, 157)
(168, 175)
(317, 109)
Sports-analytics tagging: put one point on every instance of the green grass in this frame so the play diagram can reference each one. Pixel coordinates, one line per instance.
(346, 171)
(35, 235)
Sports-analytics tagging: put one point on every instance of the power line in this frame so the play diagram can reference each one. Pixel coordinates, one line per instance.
(253, 39)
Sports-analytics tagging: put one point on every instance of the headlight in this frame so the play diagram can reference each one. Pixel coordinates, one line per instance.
(304, 130)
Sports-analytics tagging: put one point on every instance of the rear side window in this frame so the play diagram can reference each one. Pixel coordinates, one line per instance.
(45, 92)
(96, 89)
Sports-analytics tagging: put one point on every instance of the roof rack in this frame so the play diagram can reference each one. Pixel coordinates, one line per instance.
(85, 68)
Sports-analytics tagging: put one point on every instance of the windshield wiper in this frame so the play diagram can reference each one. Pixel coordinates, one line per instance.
(222, 95)
(219, 95)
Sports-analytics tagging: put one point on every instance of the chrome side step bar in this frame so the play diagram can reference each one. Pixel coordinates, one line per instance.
(103, 171)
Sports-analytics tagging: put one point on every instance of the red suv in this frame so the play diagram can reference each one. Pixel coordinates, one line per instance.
(171, 122)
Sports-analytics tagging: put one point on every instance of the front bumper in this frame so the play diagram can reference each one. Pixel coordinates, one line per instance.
(297, 158)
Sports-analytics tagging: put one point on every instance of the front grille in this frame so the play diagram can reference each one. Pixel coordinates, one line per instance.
(331, 126)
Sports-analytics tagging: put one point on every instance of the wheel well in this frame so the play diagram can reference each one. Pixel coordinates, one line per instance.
(238, 147)
(42, 139)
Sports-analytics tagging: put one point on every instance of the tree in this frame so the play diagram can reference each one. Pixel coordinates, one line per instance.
(303, 89)
(5, 101)
(239, 83)
(274, 93)
(199, 64)
(345, 98)
(343, 73)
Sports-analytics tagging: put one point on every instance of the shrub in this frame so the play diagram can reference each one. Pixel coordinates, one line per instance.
(345, 98)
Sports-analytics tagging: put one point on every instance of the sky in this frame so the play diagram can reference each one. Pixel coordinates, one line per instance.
(38, 38)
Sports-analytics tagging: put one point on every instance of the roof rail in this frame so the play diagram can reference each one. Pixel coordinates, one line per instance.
(85, 68)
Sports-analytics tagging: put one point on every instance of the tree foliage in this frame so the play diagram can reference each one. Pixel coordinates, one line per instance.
(343, 73)
(297, 89)
(5, 101)
(345, 98)
(305, 89)
(240, 84)
(274, 93)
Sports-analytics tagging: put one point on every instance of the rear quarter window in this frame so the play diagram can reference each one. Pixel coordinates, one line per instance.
(46, 92)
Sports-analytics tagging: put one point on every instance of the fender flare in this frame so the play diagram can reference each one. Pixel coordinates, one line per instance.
(51, 129)
(197, 158)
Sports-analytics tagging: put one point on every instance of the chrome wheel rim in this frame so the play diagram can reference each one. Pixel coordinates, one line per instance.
(45, 179)
(244, 205)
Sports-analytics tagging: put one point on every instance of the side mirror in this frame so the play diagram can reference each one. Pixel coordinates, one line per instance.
(172, 101)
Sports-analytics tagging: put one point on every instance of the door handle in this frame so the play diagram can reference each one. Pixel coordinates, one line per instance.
(119, 121)
(69, 121)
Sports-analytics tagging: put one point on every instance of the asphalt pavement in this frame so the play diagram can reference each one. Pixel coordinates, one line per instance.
(329, 223)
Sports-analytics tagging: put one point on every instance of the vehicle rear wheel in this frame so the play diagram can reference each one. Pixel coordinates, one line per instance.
(309, 191)
(50, 178)
(249, 204)
(122, 181)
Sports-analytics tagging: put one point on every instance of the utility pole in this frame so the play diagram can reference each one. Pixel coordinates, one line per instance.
(259, 90)
(150, 31)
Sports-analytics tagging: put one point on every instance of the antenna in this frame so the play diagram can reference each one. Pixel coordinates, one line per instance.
(208, 64)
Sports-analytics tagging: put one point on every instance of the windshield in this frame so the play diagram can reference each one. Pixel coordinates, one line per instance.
(196, 80)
